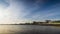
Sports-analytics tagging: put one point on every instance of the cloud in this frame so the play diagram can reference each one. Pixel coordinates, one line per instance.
(12, 12)
(26, 10)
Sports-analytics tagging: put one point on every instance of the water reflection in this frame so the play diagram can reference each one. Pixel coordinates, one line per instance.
(28, 29)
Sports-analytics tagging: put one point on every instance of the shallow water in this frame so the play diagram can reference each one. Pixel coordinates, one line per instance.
(28, 29)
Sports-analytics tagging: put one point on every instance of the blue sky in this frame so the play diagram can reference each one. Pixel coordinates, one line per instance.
(30, 10)
(41, 9)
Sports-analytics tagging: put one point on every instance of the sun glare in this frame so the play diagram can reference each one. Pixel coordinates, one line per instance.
(2, 13)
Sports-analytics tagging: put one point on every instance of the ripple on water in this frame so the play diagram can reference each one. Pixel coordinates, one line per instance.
(29, 29)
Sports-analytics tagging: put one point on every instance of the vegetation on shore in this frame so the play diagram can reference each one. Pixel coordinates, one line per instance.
(47, 22)
(39, 23)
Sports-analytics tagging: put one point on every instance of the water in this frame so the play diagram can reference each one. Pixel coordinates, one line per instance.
(28, 29)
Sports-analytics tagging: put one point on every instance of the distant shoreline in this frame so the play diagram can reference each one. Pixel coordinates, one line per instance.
(34, 24)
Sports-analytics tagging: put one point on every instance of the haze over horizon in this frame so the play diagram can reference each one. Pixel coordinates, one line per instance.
(20, 11)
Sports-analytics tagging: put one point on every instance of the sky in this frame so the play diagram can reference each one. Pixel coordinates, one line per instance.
(21, 11)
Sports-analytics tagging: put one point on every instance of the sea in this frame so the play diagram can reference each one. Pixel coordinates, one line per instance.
(29, 29)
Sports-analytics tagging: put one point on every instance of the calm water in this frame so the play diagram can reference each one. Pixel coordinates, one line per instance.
(28, 29)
